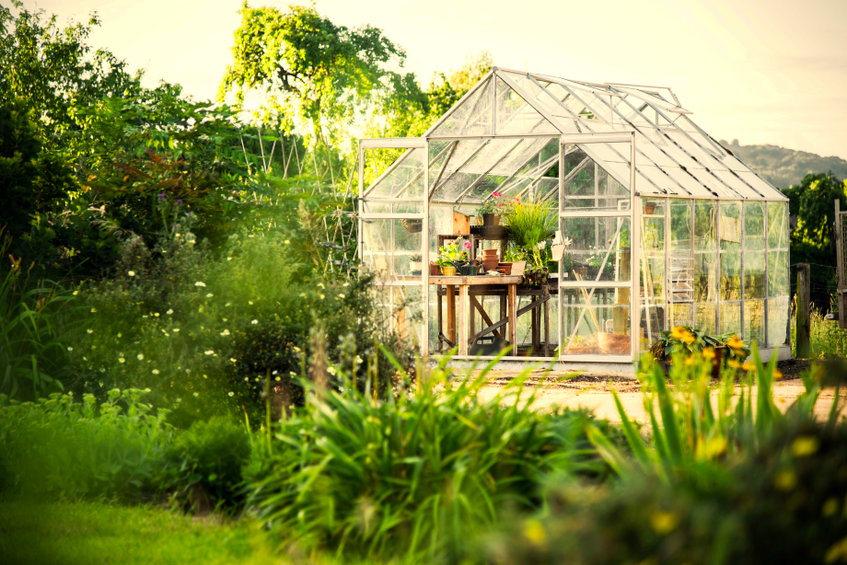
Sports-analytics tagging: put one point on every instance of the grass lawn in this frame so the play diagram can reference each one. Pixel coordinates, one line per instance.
(83, 532)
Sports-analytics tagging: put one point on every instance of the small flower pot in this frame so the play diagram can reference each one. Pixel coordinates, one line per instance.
(448, 270)
(433, 269)
(490, 220)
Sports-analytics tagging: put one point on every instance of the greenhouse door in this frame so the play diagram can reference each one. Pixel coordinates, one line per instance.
(596, 270)
(392, 232)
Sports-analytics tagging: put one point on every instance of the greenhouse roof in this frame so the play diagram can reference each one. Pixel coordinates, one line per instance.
(503, 126)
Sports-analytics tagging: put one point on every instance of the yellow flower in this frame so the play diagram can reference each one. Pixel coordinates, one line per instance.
(682, 334)
(734, 342)
(708, 353)
(678, 332)
(748, 366)
(777, 374)
(734, 364)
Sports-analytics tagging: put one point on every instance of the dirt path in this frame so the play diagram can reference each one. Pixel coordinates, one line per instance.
(592, 391)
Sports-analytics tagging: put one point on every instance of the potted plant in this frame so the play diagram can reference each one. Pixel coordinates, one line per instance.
(415, 263)
(532, 225)
(686, 340)
(452, 255)
(493, 207)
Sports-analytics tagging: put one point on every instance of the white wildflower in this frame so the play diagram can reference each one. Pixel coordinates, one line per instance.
(140, 356)
(131, 273)
(200, 283)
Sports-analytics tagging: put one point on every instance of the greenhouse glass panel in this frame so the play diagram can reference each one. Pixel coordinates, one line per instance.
(730, 317)
(777, 321)
(705, 224)
(754, 321)
(730, 283)
(600, 248)
(515, 116)
(754, 274)
(754, 226)
(681, 314)
(404, 303)
(704, 316)
(587, 185)
(471, 117)
(599, 328)
(777, 225)
(778, 282)
(390, 246)
(680, 239)
(392, 174)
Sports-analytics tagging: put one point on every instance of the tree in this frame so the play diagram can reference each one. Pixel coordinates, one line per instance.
(54, 69)
(307, 67)
(812, 203)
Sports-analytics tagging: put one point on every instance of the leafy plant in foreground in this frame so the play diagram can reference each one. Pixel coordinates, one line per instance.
(415, 474)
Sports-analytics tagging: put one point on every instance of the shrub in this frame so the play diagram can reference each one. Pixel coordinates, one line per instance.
(204, 464)
(413, 474)
(58, 447)
(725, 484)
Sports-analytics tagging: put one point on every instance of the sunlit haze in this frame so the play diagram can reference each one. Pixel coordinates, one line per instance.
(760, 71)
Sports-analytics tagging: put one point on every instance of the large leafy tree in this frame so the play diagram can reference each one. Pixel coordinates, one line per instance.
(812, 203)
(308, 69)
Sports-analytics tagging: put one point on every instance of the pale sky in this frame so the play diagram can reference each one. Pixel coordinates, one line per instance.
(761, 71)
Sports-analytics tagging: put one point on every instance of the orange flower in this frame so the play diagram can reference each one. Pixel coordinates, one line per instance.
(777, 374)
(748, 366)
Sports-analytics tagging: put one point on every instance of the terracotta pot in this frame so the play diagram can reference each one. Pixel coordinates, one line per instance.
(448, 270)
(649, 207)
(433, 269)
(505, 268)
(490, 260)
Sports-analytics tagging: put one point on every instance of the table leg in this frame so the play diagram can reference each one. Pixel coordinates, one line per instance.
(513, 317)
(546, 322)
(451, 312)
(464, 310)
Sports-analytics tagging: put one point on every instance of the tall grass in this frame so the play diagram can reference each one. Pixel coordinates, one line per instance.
(32, 354)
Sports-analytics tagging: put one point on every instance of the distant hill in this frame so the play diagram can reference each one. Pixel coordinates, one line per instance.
(785, 167)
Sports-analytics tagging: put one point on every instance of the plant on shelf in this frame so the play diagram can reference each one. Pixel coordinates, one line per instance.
(453, 255)
(532, 225)
(415, 263)
(498, 204)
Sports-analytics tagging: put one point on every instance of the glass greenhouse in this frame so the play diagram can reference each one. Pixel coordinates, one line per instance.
(658, 224)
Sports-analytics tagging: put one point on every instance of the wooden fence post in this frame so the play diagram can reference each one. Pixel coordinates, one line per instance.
(804, 320)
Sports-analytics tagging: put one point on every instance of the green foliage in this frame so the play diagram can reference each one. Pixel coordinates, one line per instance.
(31, 180)
(205, 465)
(732, 482)
(32, 355)
(783, 502)
(530, 225)
(812, 202)
(55, 70)
(413, 475)
(688, 429)
(689, 340)
(827, 338)
(306, 65)
(58, 447)
(79, 533)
